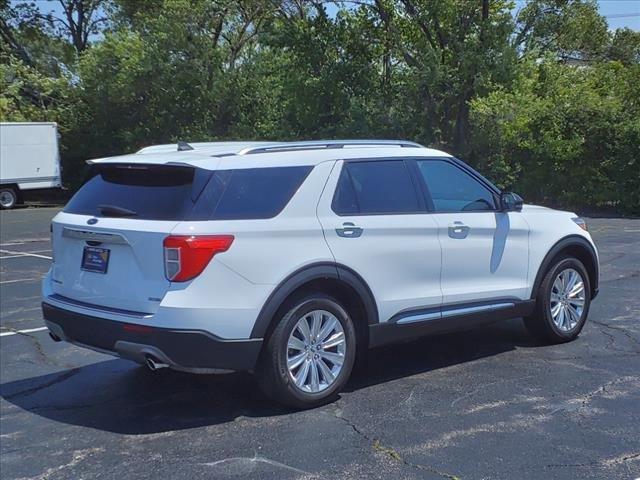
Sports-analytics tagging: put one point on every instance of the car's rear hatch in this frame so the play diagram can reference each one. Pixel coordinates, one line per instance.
(132, 226)
(108, 241)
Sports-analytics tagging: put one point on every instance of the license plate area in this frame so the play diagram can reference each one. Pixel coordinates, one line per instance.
(95, 259)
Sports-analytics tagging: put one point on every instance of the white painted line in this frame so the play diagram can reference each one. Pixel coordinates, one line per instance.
(18, 332)
(4, 282)
(27, 240)
(22, 254)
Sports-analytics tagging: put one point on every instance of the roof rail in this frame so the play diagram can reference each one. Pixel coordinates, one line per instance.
(324, 144)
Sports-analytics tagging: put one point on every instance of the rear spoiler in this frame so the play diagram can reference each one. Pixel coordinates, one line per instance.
(109, 161)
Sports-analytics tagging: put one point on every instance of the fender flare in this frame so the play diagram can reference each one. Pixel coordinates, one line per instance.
(564, 243)
(316, 271)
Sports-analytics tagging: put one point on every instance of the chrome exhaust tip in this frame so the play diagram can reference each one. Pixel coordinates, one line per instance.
(154, 364)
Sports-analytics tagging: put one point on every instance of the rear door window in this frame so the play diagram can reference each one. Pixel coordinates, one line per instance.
(375, 188)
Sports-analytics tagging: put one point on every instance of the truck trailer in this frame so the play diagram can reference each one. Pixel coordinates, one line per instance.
(29, 159)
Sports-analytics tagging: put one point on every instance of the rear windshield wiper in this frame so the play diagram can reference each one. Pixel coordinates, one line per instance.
(115, 211)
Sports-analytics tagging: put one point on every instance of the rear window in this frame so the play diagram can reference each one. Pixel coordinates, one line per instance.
(186, 193)
(138, 191)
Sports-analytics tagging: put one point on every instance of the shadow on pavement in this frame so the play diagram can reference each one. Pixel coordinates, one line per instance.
(121, 397)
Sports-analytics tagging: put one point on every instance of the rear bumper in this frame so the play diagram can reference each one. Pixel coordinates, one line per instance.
(189, 350)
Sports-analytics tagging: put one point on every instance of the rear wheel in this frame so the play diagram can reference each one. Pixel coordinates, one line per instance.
(8, 197)
(562, 302)
(310, 354)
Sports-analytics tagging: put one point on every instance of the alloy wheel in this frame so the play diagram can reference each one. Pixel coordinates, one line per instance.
(568, 298)
(316, 351)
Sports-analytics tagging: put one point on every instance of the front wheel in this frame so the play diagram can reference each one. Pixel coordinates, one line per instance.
(310, 354)
(562, 302)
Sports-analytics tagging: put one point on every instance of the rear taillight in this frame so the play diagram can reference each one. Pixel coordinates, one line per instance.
(186, 256)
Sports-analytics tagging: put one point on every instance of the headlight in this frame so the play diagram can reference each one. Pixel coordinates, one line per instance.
(581, 223)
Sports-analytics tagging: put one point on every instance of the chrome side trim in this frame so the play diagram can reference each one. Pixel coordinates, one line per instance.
(420, 317)
(479, 308)
(92, 236)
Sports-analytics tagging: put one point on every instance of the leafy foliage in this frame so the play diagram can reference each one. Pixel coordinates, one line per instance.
(565, 136)
(545, 101)
(27, 94)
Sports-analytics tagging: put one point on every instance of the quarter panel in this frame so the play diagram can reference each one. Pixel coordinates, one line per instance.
(266, 251)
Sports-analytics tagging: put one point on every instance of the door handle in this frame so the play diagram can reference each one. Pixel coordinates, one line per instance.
(458, 230)
(349, 230)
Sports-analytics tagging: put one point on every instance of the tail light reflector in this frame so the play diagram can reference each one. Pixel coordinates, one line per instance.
(186, 256)
(135, 328)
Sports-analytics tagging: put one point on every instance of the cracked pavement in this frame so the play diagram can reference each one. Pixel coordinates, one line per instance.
(482, 404)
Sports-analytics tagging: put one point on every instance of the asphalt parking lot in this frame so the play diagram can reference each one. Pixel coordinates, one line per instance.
(484, 404)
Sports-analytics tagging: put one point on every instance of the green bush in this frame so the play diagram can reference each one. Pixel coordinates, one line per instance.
(564, 135)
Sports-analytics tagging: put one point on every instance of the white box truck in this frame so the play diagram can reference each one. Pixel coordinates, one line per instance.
(29, 159)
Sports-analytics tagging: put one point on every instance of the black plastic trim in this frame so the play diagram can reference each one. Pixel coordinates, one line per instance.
(323, 270)
(410, 312)
(420, 184)
(569, 241)
(185, 348)
(98, 308)
(391, 332)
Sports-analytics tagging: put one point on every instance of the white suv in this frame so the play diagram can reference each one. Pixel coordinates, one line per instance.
(290, 259)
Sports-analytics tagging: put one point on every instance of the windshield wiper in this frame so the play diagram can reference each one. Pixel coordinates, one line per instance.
(115, 211)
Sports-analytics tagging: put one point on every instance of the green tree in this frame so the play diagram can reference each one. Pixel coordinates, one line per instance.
(28, 95)
(564, 135)
(570, 29)
(625, 46)
(534, 100)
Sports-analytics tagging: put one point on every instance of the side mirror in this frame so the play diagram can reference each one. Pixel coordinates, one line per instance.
(510, 202)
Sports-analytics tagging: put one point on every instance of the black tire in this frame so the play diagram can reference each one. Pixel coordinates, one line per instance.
(272, 372)
(8, 198)
(541, 324)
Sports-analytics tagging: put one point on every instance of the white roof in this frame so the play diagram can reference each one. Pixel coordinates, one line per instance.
(236, 155)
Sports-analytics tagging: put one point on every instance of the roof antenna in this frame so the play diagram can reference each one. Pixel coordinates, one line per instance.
(183, 146)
